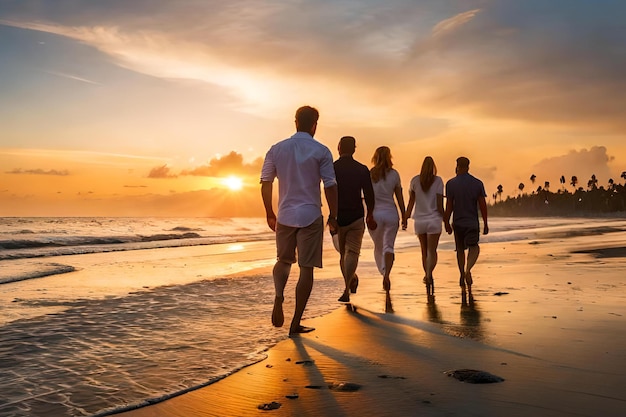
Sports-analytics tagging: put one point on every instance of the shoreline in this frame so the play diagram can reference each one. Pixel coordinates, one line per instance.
(548, 318)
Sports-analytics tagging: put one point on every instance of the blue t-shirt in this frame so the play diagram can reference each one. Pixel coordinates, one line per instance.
(465, 190)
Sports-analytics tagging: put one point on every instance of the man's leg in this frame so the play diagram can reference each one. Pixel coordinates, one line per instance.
(281, 274)
(342, 236)
(459, 242)
(460, 260)
(303, 291)
(472, 257)
(286, 255)
(352, 249)
(309, 247)
(471, 241)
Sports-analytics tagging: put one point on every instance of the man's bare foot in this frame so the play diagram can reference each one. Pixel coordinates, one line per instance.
(300, 329)
(277, 313)
(345, 298)
(462, 282)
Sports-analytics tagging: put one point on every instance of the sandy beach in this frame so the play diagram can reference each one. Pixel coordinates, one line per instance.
(547, 316)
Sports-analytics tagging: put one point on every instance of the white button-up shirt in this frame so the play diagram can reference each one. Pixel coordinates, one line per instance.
(300, 163)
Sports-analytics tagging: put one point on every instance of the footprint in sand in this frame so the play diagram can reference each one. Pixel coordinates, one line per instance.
(344, 386)
(269, 406)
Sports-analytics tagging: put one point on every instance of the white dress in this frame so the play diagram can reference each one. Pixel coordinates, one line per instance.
(386, 216)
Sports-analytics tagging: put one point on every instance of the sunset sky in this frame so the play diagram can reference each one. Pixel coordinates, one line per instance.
(146, 107)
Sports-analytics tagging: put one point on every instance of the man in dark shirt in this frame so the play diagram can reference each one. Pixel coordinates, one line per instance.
(464, 195)
(353, 178)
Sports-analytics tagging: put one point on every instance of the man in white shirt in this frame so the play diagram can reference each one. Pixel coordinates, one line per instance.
(300, 163)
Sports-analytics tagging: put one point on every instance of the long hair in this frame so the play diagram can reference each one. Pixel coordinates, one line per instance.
(427, 175)
(382, 163)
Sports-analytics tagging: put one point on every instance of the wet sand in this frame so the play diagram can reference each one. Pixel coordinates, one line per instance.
(547, 315)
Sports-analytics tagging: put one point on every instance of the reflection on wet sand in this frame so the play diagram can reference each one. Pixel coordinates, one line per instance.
(470, 318)
(469, 325)
(434, 315)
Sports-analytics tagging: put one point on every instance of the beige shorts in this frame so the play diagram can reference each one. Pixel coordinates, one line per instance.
(307, 241)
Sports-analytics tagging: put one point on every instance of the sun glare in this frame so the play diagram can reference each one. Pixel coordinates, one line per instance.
(233, 183)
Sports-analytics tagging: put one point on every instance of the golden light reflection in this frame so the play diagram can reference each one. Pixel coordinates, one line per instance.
(233, 183)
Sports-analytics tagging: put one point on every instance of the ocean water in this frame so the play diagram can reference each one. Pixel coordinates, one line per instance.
(99, 315)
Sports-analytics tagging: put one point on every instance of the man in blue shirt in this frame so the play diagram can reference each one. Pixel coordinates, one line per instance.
(464, 195)
(300, 163)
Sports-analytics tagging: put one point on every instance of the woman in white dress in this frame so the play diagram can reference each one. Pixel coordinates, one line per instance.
(386, 183)
(426, 193)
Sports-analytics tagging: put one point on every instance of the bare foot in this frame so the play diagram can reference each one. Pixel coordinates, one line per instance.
(277, 313)
(468, 279)
(300, 329)
(345, 298)
(430, 285)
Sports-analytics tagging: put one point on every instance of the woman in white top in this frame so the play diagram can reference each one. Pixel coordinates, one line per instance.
(426, 193)
(386, 183)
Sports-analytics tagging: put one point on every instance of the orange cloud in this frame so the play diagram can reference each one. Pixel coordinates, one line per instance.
(226, 165)
(162, 171)
(39, 171)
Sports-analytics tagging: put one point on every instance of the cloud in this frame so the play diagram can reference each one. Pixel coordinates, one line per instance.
(161, 172)
(221, 166)
(451, 24)
(532, 61)
(582, 163)
(231, 164)
(38, 171)
(71, 77)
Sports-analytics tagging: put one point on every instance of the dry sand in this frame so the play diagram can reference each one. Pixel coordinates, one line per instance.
(548, 316)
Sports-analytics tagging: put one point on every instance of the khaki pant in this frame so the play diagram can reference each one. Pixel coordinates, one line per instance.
(350, 240)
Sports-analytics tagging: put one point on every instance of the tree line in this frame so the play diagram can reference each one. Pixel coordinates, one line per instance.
(579, 201)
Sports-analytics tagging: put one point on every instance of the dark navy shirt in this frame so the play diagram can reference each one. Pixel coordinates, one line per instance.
(465, 190)
(352, 178)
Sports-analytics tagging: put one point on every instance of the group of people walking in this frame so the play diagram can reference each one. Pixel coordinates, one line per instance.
(300, 163)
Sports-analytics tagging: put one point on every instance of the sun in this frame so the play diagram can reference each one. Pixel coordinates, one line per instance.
(233, 183)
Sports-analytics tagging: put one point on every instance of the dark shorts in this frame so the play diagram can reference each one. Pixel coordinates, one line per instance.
(306, 240)
(464, 237)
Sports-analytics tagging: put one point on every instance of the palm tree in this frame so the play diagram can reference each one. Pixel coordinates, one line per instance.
(623, 175)
(574, 181)
(500, 191)
(546, 185)
(562, 181)
(592, 184)
(533, 178)
(521, 188)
